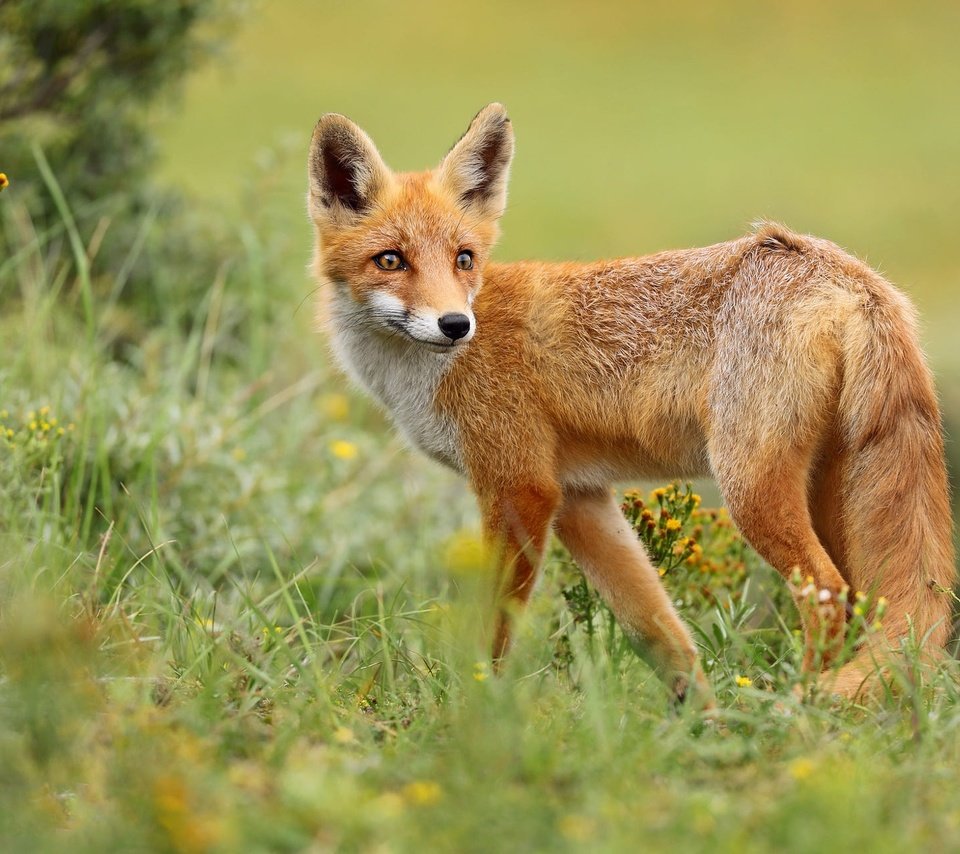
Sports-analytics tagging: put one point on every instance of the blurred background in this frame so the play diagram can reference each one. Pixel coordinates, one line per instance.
(236, 612)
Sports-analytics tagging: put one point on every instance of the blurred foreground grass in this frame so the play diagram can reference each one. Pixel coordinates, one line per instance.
(237, 615)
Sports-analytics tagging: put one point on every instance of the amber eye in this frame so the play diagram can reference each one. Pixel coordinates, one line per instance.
(465, 260)
(389, 261)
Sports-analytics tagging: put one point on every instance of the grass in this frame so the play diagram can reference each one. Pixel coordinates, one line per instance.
(238, 615)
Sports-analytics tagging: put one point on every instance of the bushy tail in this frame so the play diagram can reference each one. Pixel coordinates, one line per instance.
(895, 498)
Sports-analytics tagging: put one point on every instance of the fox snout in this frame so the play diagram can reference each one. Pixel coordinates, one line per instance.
(440, 329)
(455, 325)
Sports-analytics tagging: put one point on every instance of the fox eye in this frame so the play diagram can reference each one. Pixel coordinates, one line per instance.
(389, 261)
(465, 260)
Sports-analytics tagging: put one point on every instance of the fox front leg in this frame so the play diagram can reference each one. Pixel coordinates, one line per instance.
(517, 522)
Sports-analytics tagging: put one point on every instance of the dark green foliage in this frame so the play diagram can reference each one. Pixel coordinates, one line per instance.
(79, 80)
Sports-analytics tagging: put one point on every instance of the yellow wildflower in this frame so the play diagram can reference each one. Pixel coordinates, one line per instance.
(481, 671)
(800, 769)
(659, 492)
(343, 735)
(743, 681)
(673, 525)
(578, 828)
(335, 406)
(4, 181)
(422, 792)
(466, 553)
(343, 449)
(389, 804)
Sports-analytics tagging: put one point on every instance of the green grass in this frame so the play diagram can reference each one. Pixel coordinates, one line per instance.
(235, 614)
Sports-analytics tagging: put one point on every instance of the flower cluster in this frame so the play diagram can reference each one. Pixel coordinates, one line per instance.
(698, 552)
(38, 429)
(821, 607)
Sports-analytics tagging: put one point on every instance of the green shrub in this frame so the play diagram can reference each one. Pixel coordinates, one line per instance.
(80, 81)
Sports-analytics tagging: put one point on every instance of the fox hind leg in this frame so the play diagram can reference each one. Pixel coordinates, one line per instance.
(599, 539)
(765, 491)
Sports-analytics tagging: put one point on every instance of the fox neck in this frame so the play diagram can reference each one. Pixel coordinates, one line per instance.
(400, 375)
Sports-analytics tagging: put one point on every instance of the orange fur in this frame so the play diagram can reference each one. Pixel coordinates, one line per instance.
(778, 363)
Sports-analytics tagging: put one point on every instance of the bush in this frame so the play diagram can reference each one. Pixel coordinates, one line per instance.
(80, 79)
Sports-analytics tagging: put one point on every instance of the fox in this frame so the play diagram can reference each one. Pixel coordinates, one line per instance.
(778, 364)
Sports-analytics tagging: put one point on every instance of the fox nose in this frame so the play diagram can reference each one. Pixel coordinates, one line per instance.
(454, 325)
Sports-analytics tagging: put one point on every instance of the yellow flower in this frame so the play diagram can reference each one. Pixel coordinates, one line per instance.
(800, 769)
(481, 671)
(423, 792)
(696, 499)
(343, 735)
(389, 804)
(4, 181)
(466, 553)
(659, 492)
(335, 406)
(673, 525)
(743, 681)
(579, 828)
(343, 450)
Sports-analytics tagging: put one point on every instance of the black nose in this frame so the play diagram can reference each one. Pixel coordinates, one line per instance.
(454, 325)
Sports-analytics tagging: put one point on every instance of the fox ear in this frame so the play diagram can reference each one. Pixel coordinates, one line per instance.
(477, 167)
(345, 169)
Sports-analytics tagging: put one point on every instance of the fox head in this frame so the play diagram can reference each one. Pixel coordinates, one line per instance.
(407, 250)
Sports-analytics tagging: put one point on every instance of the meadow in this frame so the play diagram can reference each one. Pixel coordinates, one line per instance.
(236, 613)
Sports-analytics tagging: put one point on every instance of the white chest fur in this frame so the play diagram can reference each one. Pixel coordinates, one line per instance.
(403, 377)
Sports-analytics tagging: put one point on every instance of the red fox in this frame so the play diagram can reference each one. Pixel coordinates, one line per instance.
(776, 363)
